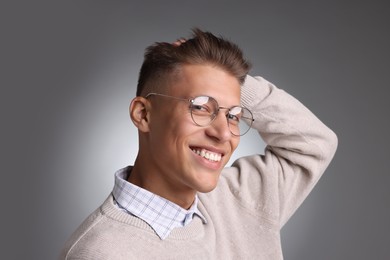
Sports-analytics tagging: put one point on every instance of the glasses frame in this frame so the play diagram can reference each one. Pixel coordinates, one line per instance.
(191, 101)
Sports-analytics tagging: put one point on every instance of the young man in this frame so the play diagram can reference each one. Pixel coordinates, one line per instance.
(194, 101)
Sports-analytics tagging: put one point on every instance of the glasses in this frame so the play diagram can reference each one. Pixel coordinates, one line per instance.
(204, 110)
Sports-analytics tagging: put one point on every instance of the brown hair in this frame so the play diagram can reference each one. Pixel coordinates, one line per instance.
(162, 60)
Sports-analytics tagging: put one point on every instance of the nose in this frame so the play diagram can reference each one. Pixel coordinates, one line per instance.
(219, 128)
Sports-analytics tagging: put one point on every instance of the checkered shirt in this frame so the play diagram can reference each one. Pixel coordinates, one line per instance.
(161, 214)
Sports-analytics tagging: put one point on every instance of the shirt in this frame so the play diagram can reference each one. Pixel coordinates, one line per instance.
(161, 214)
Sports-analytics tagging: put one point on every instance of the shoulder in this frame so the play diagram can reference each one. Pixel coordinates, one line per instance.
(84, 236)
(102, 233)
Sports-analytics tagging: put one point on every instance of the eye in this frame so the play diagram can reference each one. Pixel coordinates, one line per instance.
(201, 110)
(202, 105)
(199, 107)
(234, 118)
(234, 115)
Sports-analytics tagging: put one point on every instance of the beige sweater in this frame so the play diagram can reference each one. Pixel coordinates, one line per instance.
(253, 200)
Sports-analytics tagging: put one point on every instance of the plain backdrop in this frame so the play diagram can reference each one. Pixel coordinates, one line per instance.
(69, 70)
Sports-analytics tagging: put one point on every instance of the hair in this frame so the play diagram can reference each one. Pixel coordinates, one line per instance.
(162, 60)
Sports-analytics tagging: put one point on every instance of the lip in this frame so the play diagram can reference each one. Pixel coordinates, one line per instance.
(209, 148)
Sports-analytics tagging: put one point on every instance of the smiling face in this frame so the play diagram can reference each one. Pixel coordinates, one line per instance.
(180, 158)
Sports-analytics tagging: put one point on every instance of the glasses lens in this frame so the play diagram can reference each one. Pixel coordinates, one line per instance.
(240, 120)
(203, 110)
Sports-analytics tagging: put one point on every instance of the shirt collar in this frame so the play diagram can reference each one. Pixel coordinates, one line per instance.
(161, 214)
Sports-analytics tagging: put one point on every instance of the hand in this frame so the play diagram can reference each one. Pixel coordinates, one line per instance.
(179, 42)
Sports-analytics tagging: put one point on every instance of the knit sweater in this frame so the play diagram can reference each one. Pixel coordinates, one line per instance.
(254, 197)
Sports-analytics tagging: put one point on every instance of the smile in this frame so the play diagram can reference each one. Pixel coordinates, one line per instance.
(211, 156)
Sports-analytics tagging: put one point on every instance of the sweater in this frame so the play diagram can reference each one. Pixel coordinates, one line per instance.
(254, 197)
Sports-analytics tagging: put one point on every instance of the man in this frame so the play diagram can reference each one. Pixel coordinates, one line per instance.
(194, 101)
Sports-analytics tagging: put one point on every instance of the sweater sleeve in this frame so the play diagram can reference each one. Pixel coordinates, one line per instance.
(299, 148)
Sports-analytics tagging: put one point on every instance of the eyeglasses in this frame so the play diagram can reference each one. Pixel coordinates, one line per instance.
(204, 110)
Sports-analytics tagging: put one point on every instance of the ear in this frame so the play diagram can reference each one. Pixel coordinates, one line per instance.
(139, 113)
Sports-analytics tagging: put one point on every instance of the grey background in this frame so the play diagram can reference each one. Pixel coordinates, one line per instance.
(69, 70)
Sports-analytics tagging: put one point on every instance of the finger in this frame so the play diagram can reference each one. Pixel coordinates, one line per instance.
(179, 41)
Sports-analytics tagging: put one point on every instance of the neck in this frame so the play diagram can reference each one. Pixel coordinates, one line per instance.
(153, 181)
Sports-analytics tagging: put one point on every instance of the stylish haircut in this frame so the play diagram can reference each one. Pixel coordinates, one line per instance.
(162, 60)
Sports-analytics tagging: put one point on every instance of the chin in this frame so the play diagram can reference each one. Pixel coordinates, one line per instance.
(207, 188)
(207, 181)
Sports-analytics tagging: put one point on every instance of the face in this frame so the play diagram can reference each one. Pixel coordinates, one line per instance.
(183, 157)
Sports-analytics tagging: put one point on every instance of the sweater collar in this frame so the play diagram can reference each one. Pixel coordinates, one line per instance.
(161, 214)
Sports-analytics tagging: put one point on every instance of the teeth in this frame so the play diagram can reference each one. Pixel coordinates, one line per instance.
(208, 155)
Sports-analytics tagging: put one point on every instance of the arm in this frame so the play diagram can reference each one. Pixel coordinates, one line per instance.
(299, 148)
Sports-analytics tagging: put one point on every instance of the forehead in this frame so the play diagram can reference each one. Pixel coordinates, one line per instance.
(196, 80)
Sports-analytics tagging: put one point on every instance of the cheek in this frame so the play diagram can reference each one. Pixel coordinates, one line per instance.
(183, 132)
(173, 129)
(234, 143)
